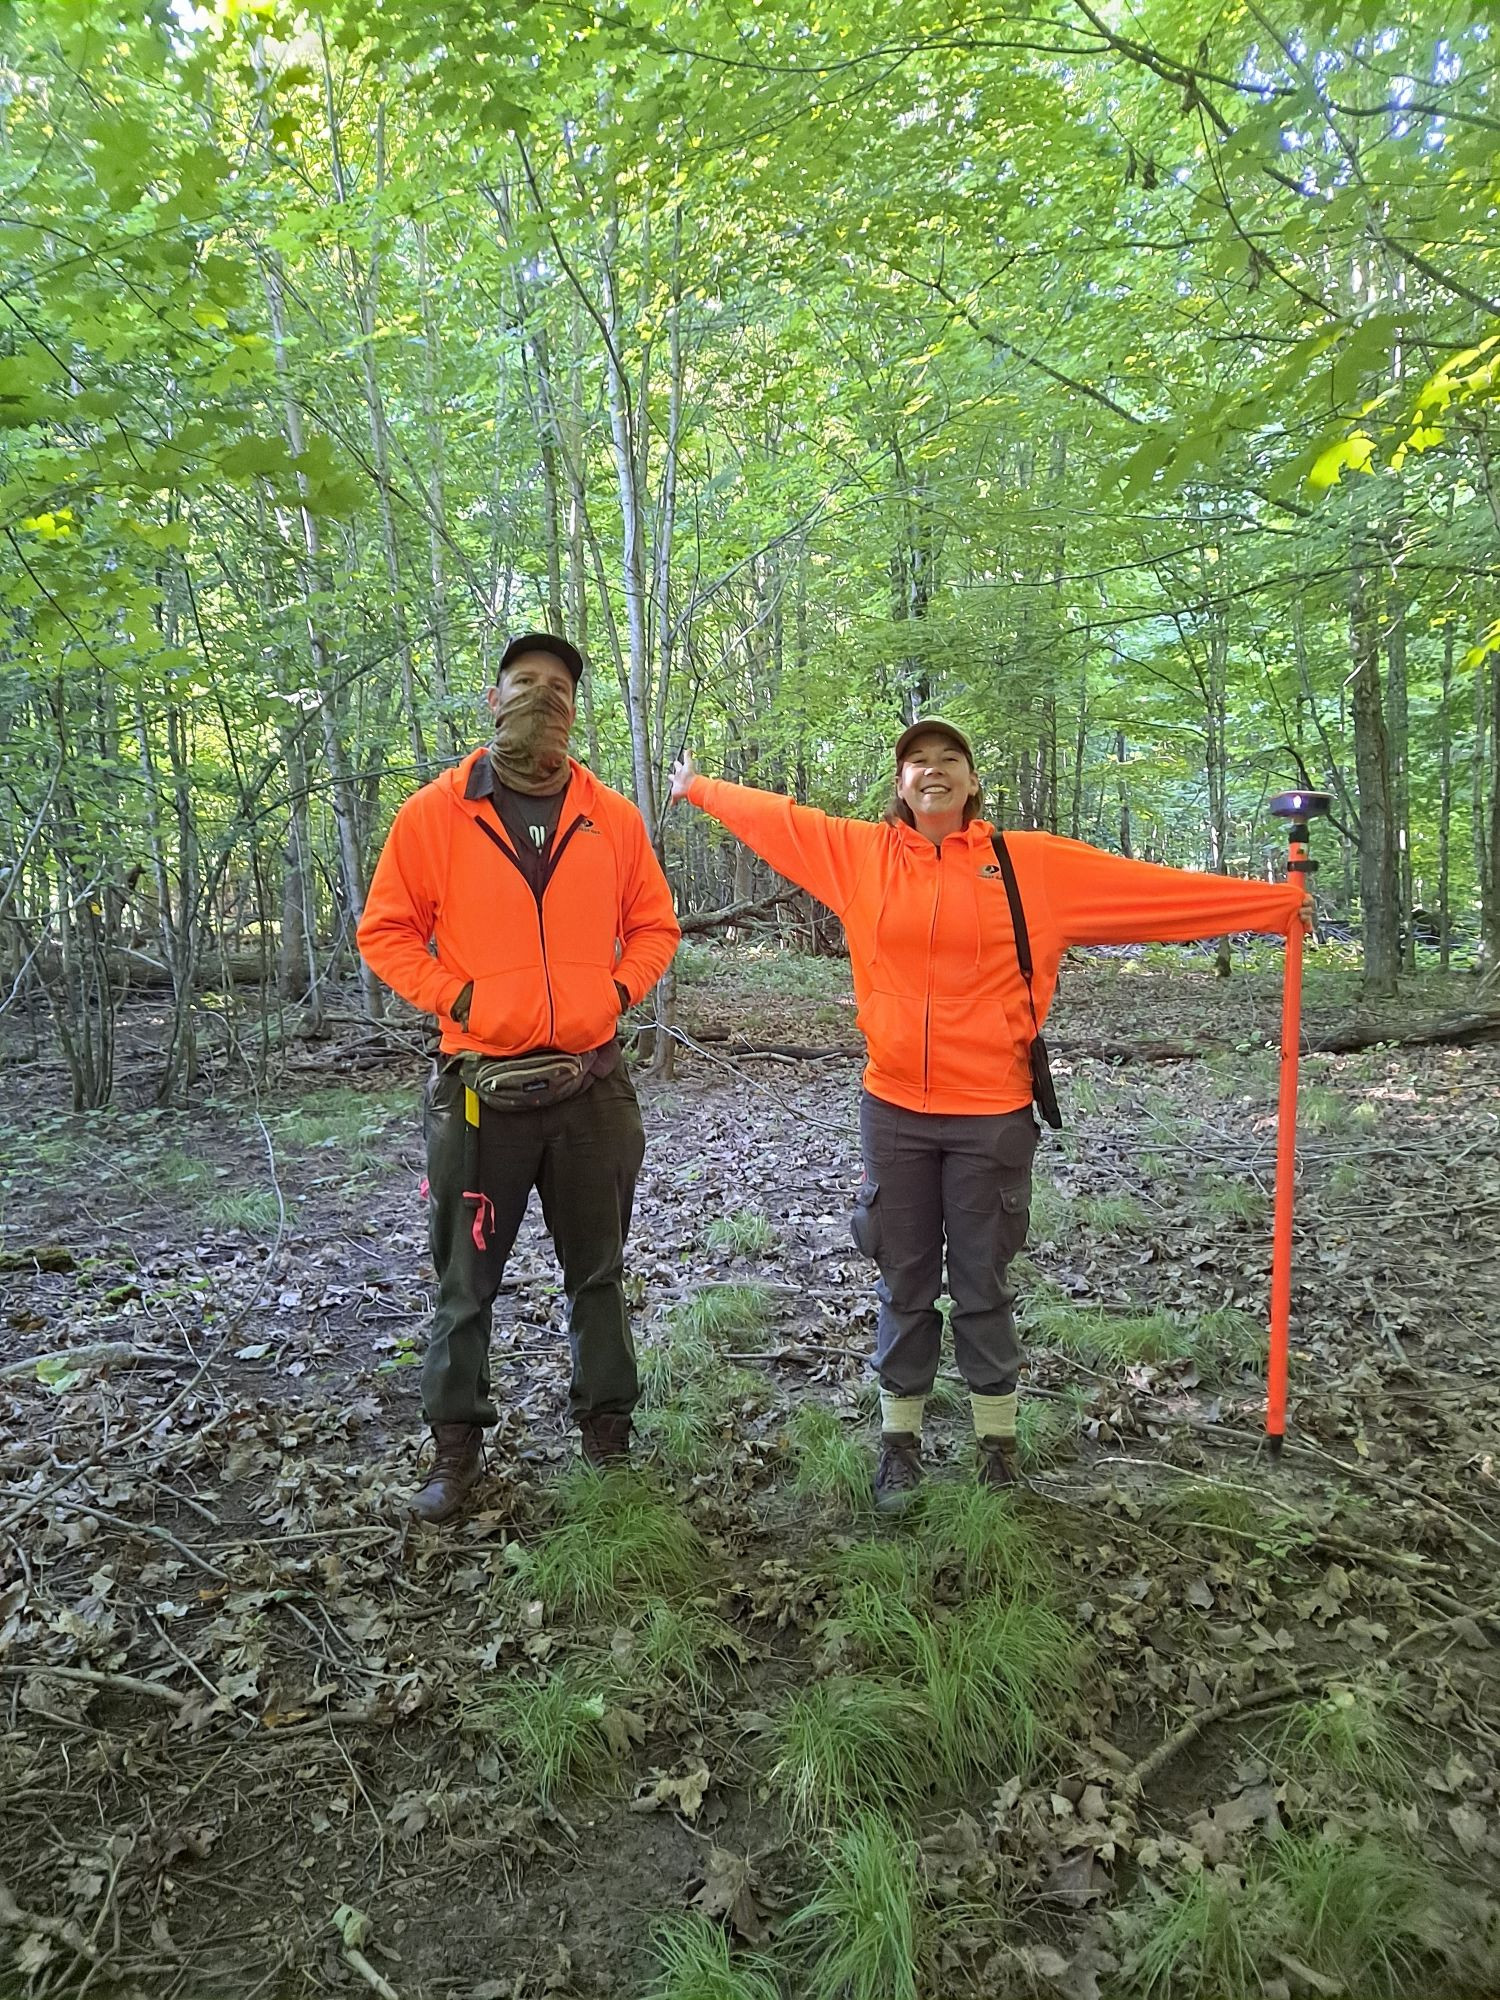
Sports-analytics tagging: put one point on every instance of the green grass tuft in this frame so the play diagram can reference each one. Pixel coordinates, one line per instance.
(1046, 1432)
(1120, 1340)
(551, 1731)
(998, 1680)
(254, 1210)
(980, 1534)
(1321, 1110)
(678, 1645)
(694, 1962)
(746, 1233)
(684, 1435)
(723, 1312)
(832, 1464)
(1368, 1916)
(1112, 1214)
(1208, 1941)
(762, 969)
(1215, 1503)
(1236, 1201)
(866, 1922)
(616, 1540)
(1231, 1335)
(180, 1172)
(1054, 1217)
(843, 1746)
(676, 1362)
(1350, 1734)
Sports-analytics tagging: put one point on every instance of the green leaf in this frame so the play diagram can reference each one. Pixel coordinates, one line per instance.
(1348, 454)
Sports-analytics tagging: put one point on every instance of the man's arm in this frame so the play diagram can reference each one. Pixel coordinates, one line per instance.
(1100, 898)
(649, 930)
(400, 911)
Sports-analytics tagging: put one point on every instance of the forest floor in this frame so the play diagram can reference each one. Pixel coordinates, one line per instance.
(1175, 1721)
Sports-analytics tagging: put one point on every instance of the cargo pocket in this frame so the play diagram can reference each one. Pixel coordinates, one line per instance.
(1015, 1219)
(864, 1223)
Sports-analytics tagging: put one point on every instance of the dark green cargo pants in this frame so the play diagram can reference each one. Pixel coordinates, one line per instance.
(582, 1156)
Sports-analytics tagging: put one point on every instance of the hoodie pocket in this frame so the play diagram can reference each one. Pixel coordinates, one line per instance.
(892, 1025)
(509, 1011)
(586, 1007)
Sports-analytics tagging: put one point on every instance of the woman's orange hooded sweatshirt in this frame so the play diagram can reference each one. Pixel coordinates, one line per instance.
(942, 1004)
(449, 905)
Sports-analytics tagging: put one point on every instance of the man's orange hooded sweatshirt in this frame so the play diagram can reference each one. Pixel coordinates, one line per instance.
(543, 967)
(942, 1004)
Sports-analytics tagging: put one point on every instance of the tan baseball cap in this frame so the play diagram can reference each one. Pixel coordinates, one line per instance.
(932, 725)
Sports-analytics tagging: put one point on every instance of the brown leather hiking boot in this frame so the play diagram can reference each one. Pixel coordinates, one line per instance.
(996, 1462)
(899, 1473)
(454, 1471)
(606, 1441)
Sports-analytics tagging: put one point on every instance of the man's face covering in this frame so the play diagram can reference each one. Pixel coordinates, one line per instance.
(532, 722)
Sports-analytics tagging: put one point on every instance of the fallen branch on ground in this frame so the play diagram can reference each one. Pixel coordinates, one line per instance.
(98, 1354)
(96, 1677)
(1294, 1690)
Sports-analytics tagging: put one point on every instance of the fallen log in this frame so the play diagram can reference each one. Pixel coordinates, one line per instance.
(1450, 1030)
(44, 1257)
(696, 922)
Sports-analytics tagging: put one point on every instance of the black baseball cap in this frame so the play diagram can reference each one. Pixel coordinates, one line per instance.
(543, 642)
(932, 725)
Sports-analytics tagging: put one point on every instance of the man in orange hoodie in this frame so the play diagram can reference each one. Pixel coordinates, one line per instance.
(950, 1019)
(519, 901)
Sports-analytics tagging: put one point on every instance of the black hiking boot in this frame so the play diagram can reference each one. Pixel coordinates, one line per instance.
(454, 1471)
(899, 1473)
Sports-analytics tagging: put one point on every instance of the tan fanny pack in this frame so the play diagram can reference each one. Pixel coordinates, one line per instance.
(525, 1083)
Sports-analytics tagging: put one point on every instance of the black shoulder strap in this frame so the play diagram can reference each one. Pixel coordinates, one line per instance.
(1017, 913)
(1042, 1087)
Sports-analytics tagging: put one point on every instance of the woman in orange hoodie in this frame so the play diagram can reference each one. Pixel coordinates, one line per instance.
(949, 1019)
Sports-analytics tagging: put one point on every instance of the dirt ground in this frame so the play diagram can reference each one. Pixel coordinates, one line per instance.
(254, 1734)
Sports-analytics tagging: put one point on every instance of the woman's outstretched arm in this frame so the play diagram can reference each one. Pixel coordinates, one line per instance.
(821, 854)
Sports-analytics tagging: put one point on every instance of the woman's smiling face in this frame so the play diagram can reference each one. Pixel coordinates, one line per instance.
(936, 781)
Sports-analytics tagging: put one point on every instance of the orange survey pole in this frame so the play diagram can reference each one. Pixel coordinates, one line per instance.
(1296, 808)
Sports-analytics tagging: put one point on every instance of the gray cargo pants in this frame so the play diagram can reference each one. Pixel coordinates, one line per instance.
(930, 1176)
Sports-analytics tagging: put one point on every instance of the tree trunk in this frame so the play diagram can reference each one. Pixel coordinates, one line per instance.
(1124, 796)
(1398, 734)
(1378, 892)
(1445, 799)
